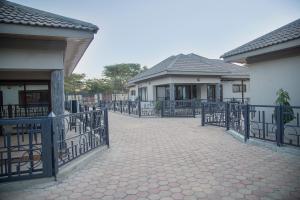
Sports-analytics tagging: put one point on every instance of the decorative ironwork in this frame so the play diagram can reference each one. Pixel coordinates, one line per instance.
(36, 147)
(33, 110)
(292, 128)
(166, 108)
(215, 113)
(262, 123)
(236, 116)
(22, 153)
(79, 133)
(279, 124)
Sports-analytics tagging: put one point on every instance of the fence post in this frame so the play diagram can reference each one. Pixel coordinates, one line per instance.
(129, 107)
(193, 108)
(162, 108)
(53, 142)
(227, 115)
(121, 106)
(202, 114)
(139, 107)
(106, 129)
(246, 121)
(279, 125)
(9, 109)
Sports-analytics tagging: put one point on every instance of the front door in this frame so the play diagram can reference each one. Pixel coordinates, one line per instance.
(211, 92)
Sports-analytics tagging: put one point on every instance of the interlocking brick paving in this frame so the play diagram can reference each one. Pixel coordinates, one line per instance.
(176, 158)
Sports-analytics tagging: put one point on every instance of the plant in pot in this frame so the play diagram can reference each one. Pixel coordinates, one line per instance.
(158, 105)
(283, 99)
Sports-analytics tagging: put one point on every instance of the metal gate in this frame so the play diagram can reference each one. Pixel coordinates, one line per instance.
(37, 147)
(25, 149)
(178, 108)
(214, 113)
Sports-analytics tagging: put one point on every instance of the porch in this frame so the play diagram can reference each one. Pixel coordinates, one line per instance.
(186, 91)
(37, 94)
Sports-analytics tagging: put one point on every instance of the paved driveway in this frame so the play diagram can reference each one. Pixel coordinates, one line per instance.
(176, 158)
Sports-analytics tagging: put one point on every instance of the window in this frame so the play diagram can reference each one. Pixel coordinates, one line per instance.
(237, 88)
(143, 96)
(162, 93)
(184, 92)
(34, 97)
(132, 93)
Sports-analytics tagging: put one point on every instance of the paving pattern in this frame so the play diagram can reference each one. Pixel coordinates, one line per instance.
(175, 158)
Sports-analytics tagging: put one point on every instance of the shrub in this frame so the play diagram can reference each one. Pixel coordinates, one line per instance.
(283, 99)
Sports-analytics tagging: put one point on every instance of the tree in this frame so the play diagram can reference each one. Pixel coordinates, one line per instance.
(283, 99)
(120, 74)
(74, 84)
(95, 86)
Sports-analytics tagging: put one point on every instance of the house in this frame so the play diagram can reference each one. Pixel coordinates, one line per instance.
(274, 62)
(185, 77)
(38, 49)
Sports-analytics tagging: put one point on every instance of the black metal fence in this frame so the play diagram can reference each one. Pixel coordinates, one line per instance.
(37, 147)
(166, 108)
(279, 124)
(30, 110)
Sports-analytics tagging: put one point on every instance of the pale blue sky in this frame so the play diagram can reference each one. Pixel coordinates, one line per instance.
(147, 32)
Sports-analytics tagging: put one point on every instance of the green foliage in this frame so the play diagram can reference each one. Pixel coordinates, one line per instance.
(74, 83)
(158, 105)
(283, 99)
(119, 74)
(95, 86)
(116, 78)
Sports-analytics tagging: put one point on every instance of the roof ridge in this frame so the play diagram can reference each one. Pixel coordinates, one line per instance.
(173, 62)
(190, 64)
(208, 62)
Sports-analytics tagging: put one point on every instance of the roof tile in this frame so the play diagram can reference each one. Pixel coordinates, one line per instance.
(192, 63)
(12, 13)
(283, 34)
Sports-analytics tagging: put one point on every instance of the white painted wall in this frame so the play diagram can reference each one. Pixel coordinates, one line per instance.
(177, 80)
(227, 89)
(200, 81)
(269, 76)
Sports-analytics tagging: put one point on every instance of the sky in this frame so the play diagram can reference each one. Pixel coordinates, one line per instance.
(149, 31)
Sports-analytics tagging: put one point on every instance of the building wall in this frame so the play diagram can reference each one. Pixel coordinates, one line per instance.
(11, 92)
(120, 97)
(25, 54)
(227, 89)
(200, 81)
(269, 76)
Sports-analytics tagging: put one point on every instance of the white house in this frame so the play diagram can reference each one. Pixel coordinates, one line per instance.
(190, 76)
(274, 62)
(37, 49)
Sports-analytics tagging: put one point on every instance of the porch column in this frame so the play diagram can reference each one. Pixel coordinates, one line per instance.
(57, 92)
(172, 98)
(218, 92)
(172, 91)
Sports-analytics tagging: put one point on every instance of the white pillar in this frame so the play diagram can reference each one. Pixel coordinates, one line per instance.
(172, 91)
(218, 92)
